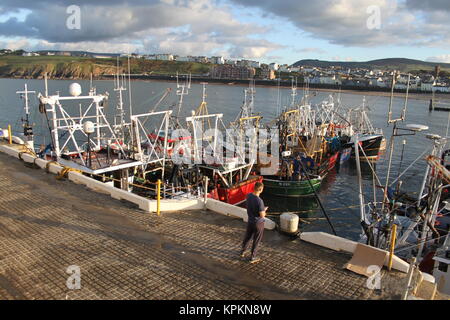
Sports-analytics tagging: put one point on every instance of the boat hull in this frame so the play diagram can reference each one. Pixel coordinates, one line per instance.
(237, 193)
(283, 188)
(345, 155)
(328, 165)
(371, 145)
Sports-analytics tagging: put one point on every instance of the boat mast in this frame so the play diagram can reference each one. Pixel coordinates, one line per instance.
(28, 130)
(278, 99)
(391, 147)
(182, 90)
(293, 92)
(361, 195)
(129, 96)
(120, 113)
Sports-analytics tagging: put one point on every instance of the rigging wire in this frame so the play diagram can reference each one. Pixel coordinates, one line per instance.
(417, 159)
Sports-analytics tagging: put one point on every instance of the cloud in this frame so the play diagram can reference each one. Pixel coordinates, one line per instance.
(339, 58)
(444, 58)
(182, 27)
(15, 44)
(207, 27)
(311, 50)
(338, 21)
(345, 22)
(428, 4)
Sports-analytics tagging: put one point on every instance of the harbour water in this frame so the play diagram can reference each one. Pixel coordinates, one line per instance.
(339, 192)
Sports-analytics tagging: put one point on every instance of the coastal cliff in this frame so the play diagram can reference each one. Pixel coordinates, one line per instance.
(62, 67)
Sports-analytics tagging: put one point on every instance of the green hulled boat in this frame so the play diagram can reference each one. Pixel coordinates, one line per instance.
(291, 188)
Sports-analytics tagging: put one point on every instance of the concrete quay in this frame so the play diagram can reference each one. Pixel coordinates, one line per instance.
(47, 225)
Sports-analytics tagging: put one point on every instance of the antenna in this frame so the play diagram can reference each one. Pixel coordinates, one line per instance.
(119, 108)
(204, 95)
(129, 85)
(294, 91)
(252, 92)
(406, 98)
(24, 95)
(46, 84)
(403, 114)
(182, 90)
(392, 98)
(27, 129)
(278, 98)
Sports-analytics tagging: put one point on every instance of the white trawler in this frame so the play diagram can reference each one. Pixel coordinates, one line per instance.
(135, 154)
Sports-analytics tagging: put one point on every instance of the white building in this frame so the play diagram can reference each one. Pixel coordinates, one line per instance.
(99, 56)
(400, 86)
(255, 64)
(331, 80)
(184, 59)
(217, 60)
(377, 82)
(274, 66)
(249, 63)
(201, 59)
(427, 86)
(284, 68)
(164, 57)
(309, 70)
(30, 54)
(441, 88)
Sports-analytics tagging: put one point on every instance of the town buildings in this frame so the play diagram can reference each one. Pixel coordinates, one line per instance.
(224, 68)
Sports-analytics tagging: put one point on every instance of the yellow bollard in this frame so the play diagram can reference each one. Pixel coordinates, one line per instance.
(158, 197)
(391, 251)
(9, 134)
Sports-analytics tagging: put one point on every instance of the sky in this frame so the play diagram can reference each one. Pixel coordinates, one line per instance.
(282, 31)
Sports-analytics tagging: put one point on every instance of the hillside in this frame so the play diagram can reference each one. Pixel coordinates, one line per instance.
(385, 64)
(64, 67)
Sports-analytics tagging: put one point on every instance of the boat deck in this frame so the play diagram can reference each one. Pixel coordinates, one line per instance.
(48, 225)
(100, 163)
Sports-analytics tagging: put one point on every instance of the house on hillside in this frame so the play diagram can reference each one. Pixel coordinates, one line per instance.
(356, 82)
(427, 86)
(326, 79)
(5, 51)
(217, 60)
(164, 57)
(30, 54)
(274, 66)
(441, 88)
(377, 82)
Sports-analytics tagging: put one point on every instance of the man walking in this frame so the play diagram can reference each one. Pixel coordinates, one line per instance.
(255, 225)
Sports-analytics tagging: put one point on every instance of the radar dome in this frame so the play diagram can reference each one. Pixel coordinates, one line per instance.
(88, 127)
(75, 89)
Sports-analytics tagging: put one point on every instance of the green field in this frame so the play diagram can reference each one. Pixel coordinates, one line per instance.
(404, 65)
(83, 67)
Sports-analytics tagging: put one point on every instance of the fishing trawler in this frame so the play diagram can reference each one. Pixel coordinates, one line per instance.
(229, 172)
(412, 226)
(293, 180)
(306, 144)
(359, 127)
